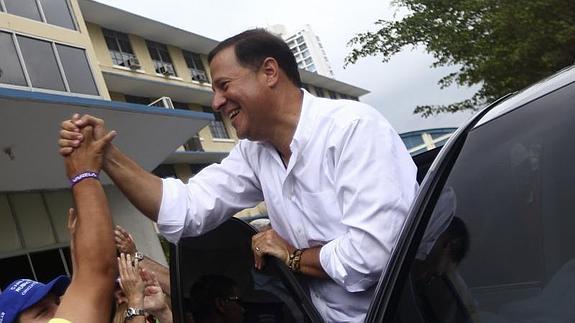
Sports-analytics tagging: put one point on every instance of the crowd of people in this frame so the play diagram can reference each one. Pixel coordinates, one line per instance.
(336, 178)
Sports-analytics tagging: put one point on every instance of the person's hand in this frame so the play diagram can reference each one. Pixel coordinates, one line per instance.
(270, 243)
(124, 241)
(130, 280)
(154, 297)
(70, 132)
(89, 156)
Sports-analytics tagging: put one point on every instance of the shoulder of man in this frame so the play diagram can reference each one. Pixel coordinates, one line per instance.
(344, 113)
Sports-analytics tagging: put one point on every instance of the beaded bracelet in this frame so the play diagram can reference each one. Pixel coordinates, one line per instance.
(294, 259)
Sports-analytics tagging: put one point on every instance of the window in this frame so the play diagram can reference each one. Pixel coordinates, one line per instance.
(55, 12)
(119, 46)
(302, 47)
(217, 127)
(10, 69)
(305, 53)
(161, 58)
(300, 40)
(308, 61)
(311, 68)
(45, 65)
(499, 243)
(137, 99)
(332, 94)
(270, 295)
(41, 64)
(196, 66)
(23, 8)
(319, 91)
(77, 70)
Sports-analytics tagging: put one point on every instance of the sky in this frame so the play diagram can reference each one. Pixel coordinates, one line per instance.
(396, 87)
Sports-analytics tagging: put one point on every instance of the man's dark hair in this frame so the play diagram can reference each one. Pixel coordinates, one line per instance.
(204, 292)
(253, 46)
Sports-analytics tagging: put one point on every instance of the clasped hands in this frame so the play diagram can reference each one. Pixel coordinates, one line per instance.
(83, 142)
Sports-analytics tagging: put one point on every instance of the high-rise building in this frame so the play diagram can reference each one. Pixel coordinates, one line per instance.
(146, 79)
(307, 48)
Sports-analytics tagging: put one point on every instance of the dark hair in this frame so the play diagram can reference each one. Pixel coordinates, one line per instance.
(253, 46)
(458, 236)
(204, 293)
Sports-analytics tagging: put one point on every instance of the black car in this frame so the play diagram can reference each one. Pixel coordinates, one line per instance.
(490, 237)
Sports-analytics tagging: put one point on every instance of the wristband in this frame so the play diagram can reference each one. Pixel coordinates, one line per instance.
(82, 176)
(293, 261)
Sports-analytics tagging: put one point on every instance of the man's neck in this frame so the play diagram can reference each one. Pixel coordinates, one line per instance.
(289, 106)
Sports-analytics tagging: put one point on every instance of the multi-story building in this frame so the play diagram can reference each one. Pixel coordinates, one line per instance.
(307, 49)
(146, 79)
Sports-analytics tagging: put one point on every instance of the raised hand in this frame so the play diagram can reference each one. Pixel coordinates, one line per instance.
(124, 241)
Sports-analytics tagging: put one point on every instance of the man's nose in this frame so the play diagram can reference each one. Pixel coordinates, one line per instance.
(218, 102)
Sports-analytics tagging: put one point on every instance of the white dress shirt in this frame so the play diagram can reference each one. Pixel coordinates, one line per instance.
(348, 187)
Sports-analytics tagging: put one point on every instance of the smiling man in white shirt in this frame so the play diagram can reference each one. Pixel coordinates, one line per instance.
(336, 178)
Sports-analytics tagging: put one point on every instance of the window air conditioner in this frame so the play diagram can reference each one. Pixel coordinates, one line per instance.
(199, 76)
(164, 70)
(163, 102)
(132, 63)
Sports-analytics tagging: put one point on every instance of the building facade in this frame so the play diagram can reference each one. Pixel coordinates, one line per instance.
(148, 80)
(307, 49)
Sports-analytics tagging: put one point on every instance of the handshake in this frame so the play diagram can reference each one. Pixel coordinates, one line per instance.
(84, 142)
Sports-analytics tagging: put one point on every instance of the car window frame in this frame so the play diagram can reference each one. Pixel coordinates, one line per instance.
(386, 295)
(287, 277)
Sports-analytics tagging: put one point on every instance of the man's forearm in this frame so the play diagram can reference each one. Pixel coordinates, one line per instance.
(141, 187)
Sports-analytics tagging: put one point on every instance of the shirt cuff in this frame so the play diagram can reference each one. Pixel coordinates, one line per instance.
(351, 280)
(170, 217)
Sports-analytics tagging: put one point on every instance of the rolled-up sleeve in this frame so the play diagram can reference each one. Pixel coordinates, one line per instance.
(375, 181)
(209, 198)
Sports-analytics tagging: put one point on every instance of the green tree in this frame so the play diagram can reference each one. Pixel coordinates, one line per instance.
(500, 45)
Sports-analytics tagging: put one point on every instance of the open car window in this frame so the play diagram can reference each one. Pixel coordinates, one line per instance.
(270, 295)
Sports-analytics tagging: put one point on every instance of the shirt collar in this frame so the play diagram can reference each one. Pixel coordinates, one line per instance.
(305, 123)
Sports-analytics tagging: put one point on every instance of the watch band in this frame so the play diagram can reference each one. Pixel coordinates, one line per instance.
(138, 255)
(132, 312)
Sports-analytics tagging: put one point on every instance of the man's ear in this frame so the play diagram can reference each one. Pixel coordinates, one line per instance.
(271, 71)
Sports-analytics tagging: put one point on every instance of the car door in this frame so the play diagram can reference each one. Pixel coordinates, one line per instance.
(490, 236)
(270, 295)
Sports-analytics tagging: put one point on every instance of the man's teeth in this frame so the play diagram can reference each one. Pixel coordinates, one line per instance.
(234, 113)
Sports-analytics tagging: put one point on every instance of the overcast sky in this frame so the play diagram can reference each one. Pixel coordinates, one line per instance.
(396, 87)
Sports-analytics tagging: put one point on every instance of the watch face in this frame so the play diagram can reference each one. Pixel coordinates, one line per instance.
(130, 311)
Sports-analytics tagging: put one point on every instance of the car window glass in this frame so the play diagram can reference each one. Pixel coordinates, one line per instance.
(210, 264)
(499, 245)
